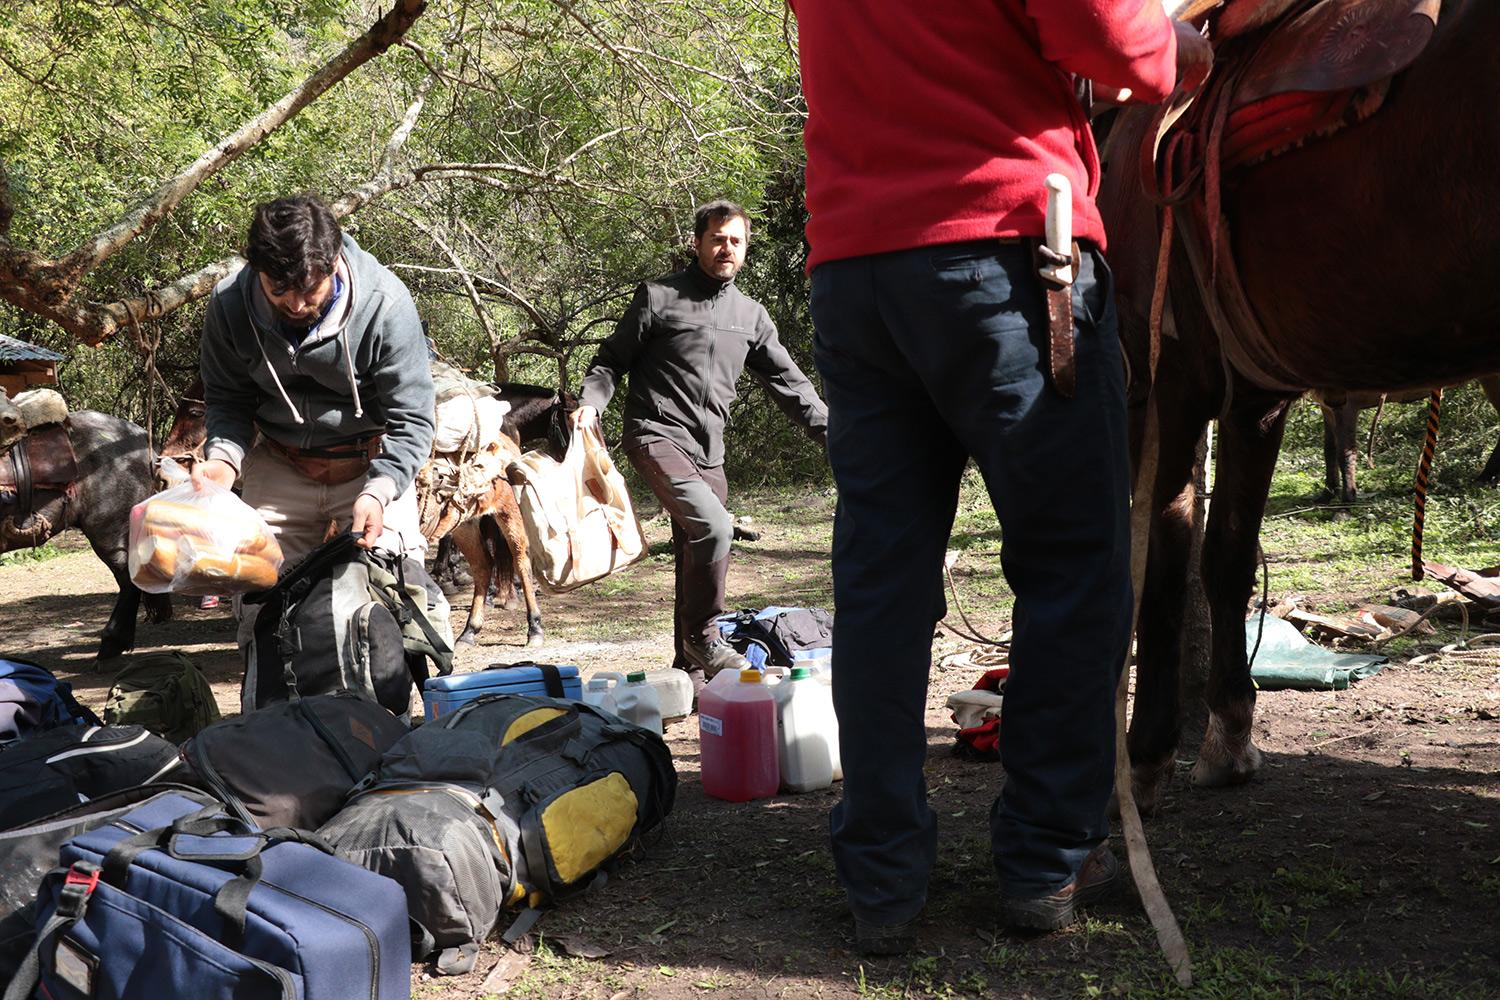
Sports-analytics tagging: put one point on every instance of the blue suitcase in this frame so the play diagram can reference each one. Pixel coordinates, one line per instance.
(444, 695)
(174, 900)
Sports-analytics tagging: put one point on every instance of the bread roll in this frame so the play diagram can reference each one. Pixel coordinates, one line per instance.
(237, 572)
(171, 519)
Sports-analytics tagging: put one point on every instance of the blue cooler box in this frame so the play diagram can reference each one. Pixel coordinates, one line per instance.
(443, 695)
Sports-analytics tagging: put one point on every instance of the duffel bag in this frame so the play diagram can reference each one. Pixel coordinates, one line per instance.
(292, 763)
(174, 900)
(32, 699)
(29, 852)
(60, 767)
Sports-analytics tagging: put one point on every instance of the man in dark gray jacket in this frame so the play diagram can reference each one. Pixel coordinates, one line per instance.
(318, 347)
(684, 342)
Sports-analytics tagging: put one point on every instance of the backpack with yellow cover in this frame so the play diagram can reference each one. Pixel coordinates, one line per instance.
(511, 801)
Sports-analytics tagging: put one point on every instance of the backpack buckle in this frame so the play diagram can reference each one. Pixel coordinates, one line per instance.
(78, 886)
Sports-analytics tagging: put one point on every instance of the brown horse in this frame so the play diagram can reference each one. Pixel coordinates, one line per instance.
(1367, 257)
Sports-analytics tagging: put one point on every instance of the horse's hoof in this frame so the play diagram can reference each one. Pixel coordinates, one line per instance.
(1148, 786)
(110, 651)
(467, 637)
(535, 639)
(1220, 771)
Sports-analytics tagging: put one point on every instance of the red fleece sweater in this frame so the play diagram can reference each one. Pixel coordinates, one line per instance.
(936, 122)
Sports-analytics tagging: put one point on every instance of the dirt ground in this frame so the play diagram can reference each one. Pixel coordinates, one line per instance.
(1363, 861)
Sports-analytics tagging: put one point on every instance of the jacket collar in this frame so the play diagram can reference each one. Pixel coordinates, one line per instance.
(708, 283)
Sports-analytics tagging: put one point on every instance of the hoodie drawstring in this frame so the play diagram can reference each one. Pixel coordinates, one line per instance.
(359, 409)
(261, 340)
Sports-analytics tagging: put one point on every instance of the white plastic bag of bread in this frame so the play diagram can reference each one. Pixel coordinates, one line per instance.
(208, 541)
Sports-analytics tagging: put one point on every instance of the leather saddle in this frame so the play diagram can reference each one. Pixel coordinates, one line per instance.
(1285, 73)
(1336, 45)
(42, 460)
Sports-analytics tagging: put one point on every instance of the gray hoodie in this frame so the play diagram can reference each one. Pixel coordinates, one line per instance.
(363, 371)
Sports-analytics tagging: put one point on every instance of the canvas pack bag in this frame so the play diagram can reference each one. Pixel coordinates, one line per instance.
(165, 692)
(580, 524)
(347, 618)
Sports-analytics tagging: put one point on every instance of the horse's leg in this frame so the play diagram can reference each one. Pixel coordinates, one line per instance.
(1156, 724)
(499, 549)
(1491, 471)
(1346, 435)
(119, 632)
(1249, 440)
(1331, 484)
(508, 517)
(466, 539)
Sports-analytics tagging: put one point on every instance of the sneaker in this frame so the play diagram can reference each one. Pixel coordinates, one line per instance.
(1095, 879)
(713, 656)
(884, 939)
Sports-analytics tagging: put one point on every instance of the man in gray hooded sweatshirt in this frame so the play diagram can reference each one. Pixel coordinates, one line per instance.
(318, 347)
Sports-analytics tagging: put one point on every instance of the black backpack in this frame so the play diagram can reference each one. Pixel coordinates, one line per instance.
(345, 618)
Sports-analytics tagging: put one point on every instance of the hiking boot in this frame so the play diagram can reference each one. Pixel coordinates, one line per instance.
(1096, 877)
(884, 939)
(713, 656)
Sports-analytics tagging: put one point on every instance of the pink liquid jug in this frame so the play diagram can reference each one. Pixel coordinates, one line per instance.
(737, 739)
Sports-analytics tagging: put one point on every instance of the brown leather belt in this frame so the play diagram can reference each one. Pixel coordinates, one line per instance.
(330, 466)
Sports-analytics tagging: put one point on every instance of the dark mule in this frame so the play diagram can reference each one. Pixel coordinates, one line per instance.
(1340, 430)
(189, 431)
(115, 472)
(1367, 256)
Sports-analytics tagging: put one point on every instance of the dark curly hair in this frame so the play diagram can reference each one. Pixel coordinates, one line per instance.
(294, 242)
(718, 211)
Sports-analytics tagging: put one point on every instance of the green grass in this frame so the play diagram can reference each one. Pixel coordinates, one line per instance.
(41, 553)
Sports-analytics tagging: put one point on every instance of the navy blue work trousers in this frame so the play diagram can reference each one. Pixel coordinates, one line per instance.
(931, 357)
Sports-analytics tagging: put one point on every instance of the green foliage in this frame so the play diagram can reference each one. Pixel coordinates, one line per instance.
(583, 134)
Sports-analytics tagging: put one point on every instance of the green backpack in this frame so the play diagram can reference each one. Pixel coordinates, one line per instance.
(165, 693)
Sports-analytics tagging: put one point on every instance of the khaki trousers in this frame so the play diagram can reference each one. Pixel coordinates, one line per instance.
(298, 511)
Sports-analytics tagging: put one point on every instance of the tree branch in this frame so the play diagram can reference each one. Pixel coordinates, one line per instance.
(463, 273)
(382, 34)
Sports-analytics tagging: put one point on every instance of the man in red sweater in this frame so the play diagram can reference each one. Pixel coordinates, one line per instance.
(930, 130)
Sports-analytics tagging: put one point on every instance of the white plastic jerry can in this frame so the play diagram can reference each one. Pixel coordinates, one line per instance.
(807, 733)
(600, 691)
(674, 689)
(637, 702)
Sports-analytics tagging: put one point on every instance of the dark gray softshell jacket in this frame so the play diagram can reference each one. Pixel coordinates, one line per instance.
(684, 342)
